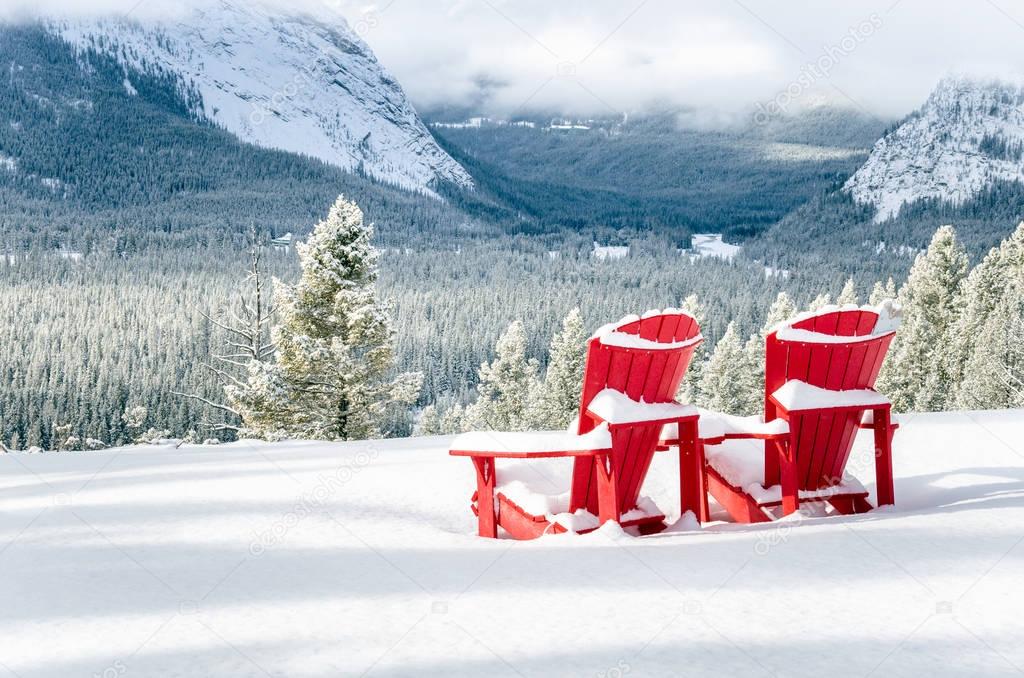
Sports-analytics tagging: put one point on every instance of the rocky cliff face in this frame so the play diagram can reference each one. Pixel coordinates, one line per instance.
(968, 135)
(285, 81)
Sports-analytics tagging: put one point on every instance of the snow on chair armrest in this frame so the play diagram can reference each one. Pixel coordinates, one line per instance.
(719, 426)
(616, 409)
(530, 444)
(796, 395)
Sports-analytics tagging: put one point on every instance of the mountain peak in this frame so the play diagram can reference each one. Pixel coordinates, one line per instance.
(283, 80)
(968, 135)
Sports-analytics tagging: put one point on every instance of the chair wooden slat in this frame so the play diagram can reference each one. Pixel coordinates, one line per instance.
(848, 324)
(656, 376)
(876, 365)
(650, 328)
(637, 462)
(671, 324)
(798, 362)
(818, 367)
(866, 323)
(826, 323)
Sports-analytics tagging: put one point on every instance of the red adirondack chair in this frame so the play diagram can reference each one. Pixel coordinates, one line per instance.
(820, 372)
(632, 373)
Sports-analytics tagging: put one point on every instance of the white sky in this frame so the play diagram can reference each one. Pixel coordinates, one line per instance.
(613, 56)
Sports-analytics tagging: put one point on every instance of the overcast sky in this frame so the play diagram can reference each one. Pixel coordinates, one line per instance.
(719, 56)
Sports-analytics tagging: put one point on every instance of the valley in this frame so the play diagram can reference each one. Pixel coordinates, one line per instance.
(131, 169)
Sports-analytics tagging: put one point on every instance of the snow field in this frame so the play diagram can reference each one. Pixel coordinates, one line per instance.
(316, 559)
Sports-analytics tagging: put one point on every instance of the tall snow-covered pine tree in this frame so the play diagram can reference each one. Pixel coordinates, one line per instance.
(507, 387)
(689, 388)
(992, 287)
(559, 399)
(916, 375)
(332, 377)
(729, 384)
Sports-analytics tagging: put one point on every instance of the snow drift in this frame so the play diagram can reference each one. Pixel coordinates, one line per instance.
(314, 559)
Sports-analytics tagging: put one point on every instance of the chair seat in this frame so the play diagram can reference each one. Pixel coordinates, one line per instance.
(740, 463)
(796, 395)
(615, 408)
(533, 489)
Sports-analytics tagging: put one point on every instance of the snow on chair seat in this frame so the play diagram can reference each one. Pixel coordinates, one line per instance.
(741, 464)
(518, 489)
(796, 395)
(616, 408)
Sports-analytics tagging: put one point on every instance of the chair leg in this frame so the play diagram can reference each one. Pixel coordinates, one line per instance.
(485, 481)
(693, 482)
(607, 489)
(785, 452)
(849, 506)
(883, 457)
(702, 462)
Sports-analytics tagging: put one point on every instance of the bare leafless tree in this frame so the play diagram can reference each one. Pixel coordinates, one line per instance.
(246, 327)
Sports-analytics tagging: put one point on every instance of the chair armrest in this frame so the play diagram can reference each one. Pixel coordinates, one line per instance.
(546, 454)
(514, 445)
(717, 427)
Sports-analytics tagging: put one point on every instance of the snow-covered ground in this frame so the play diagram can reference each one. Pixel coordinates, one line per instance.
(311, 559)
(711, 245)
(610, 252)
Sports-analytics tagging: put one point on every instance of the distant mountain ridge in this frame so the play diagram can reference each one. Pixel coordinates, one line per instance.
(968, 136)
(282, 80)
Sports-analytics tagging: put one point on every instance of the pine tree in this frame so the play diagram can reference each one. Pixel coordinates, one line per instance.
(916, 375)
(728, 382)
(559, 399)
(429, 422)
(880, 292)
(454, 419)
(849, 294)
(506, 385)
(781, 310)
(994, 373)
(331, 378)
(819, 302)
(985, 289)
(689, 388)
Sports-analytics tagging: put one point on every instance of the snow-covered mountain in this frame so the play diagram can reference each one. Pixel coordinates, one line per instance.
(968, 135)
(282, 80)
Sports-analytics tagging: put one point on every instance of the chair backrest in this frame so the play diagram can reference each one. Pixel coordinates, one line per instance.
(645, 358)
(851, 361)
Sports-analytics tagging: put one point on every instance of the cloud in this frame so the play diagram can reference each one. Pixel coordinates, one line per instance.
(725, 55)
(721, 57)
